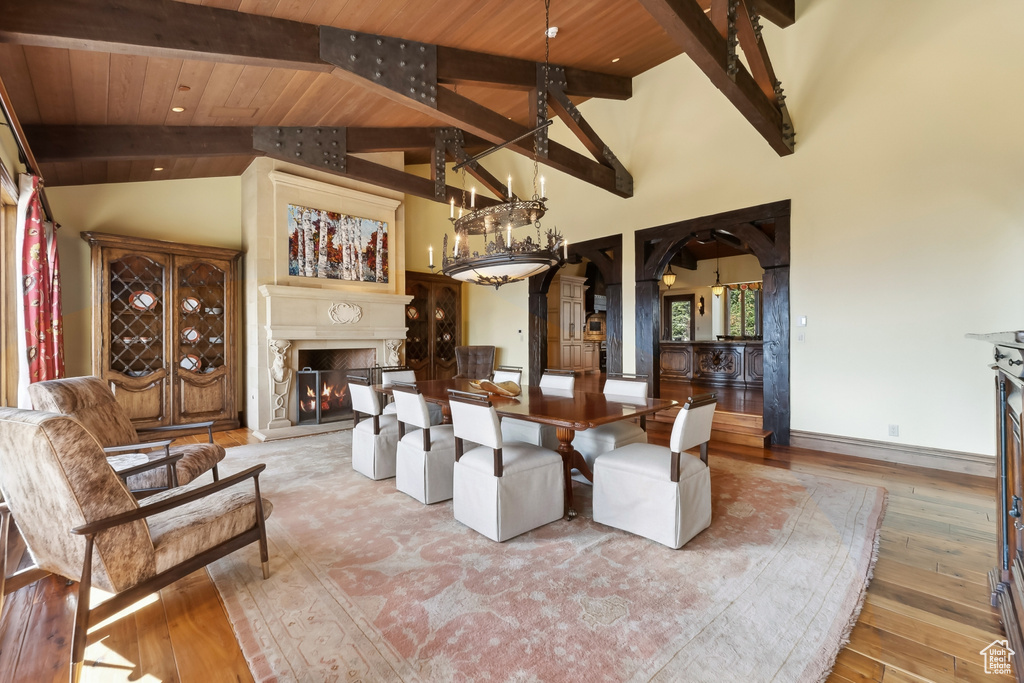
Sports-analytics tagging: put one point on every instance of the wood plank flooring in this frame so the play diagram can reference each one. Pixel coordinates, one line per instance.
(926, 616)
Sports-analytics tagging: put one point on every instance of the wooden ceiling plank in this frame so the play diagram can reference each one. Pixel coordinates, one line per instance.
(264, 7)
(222, 80)
(271, 90)
(188, 91)
(128, 142)
(124, 93)
(686, 23)
(182, 167)
(158, 90)
(455, 66)
(277, 111)
(140, 170)
(119, 171)
(249, 83)
(162, 28)
(90, 74)
(52, 68)
(18, 82)
(94, 172)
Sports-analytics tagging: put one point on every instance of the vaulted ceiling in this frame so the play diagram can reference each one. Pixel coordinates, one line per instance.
(124, 90)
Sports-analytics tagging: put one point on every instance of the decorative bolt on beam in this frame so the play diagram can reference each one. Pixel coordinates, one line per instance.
(317, 147)
(404, 66)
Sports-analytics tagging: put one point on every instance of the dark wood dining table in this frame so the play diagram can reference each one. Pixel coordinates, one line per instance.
(568, 412)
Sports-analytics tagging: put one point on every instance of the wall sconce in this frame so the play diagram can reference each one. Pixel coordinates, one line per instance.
(669, 277)
(700, 306)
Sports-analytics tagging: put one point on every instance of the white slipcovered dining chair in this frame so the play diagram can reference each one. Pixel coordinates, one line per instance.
(535, 433)
(508, 373)
(426, 456)
(500, 488)
(663, 494)
(593, 442)
(374, 440)
(389, 376)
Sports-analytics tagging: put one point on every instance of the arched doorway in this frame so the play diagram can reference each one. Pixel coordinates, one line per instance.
(760, 230)
(605, 253)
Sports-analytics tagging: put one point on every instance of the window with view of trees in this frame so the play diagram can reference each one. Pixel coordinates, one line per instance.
(745, 311)
(677, 317)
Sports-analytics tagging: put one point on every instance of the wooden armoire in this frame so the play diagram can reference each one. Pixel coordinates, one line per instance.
(165, 317)
(434, 322)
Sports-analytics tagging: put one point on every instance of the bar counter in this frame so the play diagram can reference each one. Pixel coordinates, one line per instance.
(737, 362)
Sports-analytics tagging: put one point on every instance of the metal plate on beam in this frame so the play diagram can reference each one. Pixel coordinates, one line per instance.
(404, 66)
(318, 146)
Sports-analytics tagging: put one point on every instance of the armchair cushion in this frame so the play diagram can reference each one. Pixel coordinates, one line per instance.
(90, 401)
(188, 530)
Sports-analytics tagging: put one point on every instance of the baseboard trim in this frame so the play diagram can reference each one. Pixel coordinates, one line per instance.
(918, 456)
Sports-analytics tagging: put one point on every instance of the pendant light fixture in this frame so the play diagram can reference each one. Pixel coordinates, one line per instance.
(718, 288)
(669, 277)
(504, 258)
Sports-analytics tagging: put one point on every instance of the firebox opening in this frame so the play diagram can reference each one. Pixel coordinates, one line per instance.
(322, 386)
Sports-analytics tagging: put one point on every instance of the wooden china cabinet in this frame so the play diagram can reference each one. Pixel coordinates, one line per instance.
(1007, 578)
(164, 328)
(434, 322)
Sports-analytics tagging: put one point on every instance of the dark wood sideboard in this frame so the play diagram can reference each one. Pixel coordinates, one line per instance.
(1007, 578)
(739, 362)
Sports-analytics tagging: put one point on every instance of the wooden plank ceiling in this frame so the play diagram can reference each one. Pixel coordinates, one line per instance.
(61, 86)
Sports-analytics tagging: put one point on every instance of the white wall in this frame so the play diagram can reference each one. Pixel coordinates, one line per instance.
(907, 189)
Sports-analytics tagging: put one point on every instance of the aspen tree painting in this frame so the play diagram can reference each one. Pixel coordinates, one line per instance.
(326, 244)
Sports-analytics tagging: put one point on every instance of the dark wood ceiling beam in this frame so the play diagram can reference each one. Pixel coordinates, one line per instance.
(753, 46)
(686, 23)
(463, 67)
(128, 143)
(779, 12)
(96, 143)
(383, 66)
(162, 28)
(483, 176)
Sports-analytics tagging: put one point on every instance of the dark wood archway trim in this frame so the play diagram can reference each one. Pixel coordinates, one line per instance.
(606, 254)
(656, 246)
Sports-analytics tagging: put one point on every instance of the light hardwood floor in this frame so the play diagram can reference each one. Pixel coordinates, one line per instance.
(926, 616)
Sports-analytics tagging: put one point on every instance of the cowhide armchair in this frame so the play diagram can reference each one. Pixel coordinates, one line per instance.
(90, 401)
(80, 522)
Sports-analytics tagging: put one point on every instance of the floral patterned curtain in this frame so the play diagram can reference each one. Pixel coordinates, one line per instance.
(42, 356)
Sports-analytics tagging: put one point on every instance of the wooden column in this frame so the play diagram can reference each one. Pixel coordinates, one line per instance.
(538, 328)
(775, 326)
(648, 334)
(613, 326)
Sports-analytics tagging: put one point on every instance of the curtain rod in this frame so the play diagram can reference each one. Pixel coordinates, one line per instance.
(26, 151)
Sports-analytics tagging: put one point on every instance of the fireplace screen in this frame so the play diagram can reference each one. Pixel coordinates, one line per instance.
(323, 396)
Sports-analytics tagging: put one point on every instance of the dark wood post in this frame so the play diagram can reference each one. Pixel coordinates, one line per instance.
(613, 327)
(538, 328)
(775, 327)
(648, 335)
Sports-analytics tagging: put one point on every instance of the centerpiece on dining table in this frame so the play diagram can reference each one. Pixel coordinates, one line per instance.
(509, 388)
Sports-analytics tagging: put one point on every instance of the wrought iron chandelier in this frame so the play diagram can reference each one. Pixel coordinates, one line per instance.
(504, 258)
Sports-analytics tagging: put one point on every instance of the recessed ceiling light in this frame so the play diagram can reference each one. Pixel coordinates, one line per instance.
(178, 109)
(158, 168)
(552, 32)
(616, 59)
(184, 88)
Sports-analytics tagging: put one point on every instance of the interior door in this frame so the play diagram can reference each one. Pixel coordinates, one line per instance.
(133, 338)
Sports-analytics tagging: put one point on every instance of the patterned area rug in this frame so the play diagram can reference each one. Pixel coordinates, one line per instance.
(370, 585)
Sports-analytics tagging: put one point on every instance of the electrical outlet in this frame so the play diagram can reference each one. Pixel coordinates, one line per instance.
(800, 337)
(894, 430)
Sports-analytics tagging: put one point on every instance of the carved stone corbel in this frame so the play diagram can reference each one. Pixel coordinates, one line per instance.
(280, 383)
(391, 351)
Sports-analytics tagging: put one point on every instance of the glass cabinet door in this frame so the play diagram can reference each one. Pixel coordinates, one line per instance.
(136, 320)
(200, 314)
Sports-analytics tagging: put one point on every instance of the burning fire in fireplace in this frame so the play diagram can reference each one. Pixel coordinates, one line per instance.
(323, 396)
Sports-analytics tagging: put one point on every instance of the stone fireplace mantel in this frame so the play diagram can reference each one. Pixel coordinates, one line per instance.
(307, 313)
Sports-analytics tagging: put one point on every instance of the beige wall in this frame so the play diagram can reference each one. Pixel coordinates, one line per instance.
(206, 211)
(907, 206)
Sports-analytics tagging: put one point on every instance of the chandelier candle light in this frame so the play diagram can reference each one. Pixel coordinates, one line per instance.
(504, 258)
